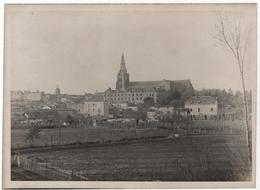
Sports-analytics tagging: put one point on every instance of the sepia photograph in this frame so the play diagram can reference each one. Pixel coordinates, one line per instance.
(129, 95)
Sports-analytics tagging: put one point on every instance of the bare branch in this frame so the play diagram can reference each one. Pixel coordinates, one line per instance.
(230, 34)
(246, 45)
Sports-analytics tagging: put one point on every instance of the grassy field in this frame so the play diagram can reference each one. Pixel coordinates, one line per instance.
(68, 135)
(208, 158)
(50, 136)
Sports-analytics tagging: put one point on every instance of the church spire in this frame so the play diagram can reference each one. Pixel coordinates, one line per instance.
(122, 76)
(122, 66)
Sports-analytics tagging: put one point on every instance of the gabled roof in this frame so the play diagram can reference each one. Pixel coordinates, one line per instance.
(95, 98)
(201, 100)
(182, 82)
(153, 84)
(140, 84)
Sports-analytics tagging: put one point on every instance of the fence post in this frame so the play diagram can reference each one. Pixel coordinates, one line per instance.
(59, 135)
(51, 140)
(46, 169)
(18, 159)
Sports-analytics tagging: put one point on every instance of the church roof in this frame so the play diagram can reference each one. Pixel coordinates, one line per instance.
(95, 98)
(202, 100)
(182, 82)
(150, 84)
(144, 83)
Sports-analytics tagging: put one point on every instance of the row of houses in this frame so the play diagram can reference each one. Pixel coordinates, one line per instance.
(97, 105)
(26, 96)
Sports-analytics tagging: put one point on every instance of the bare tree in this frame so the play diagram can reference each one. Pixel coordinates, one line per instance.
(234, 36)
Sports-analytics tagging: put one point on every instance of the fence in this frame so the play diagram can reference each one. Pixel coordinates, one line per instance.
(119, 132)
(47, 170)
(66, 136)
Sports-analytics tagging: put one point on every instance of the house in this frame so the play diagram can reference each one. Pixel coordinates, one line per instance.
(120, 105)
(94, 105)
(17, 96)
(27, 96)
(151, 116)
(135, 96)
(181, 111)
(65, 112)
(41, 116)
(33, 96)
(166, 110)
(132, 107)
(203, 106)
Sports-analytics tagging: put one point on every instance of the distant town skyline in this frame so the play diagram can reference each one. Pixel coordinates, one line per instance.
(79, 48)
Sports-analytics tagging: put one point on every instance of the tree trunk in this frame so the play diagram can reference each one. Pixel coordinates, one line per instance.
(246, 117)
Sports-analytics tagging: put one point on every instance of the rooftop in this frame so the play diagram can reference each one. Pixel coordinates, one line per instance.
(95, 98)
(201, 100)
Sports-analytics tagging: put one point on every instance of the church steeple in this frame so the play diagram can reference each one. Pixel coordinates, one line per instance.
(122, 66)
(122, 76)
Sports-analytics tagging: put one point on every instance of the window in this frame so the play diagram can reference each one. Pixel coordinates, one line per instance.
(198, 109)
(212, 109)
(190, 109)
(93, 109)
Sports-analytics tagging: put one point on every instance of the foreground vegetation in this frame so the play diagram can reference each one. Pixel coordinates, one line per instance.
(179, 159)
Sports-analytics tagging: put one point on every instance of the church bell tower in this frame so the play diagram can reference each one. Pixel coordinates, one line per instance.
(122, 76)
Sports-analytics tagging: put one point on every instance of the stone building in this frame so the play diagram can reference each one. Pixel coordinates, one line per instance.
(135, 92)
(33, 96)
(94, 105)
(202, 106)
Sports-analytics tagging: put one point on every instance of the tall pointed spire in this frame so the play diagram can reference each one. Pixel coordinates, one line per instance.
(122, 76)
(123, 67)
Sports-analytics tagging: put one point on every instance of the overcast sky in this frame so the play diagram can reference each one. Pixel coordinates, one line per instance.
(79, 47)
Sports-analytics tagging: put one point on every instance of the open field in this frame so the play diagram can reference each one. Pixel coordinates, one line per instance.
(68, 135)
(204, 151)
(49, 137)
(201, 158)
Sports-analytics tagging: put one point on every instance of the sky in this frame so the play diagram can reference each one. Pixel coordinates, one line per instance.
(79, 48)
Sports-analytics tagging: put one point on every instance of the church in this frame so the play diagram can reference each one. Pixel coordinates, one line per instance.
(135, 92)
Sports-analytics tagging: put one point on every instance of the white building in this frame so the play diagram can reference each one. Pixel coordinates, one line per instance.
(33, 96)
(94, 106)
(166, 110)
(116, 97)
(202, 106)
(151, 116)
(17, 96)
